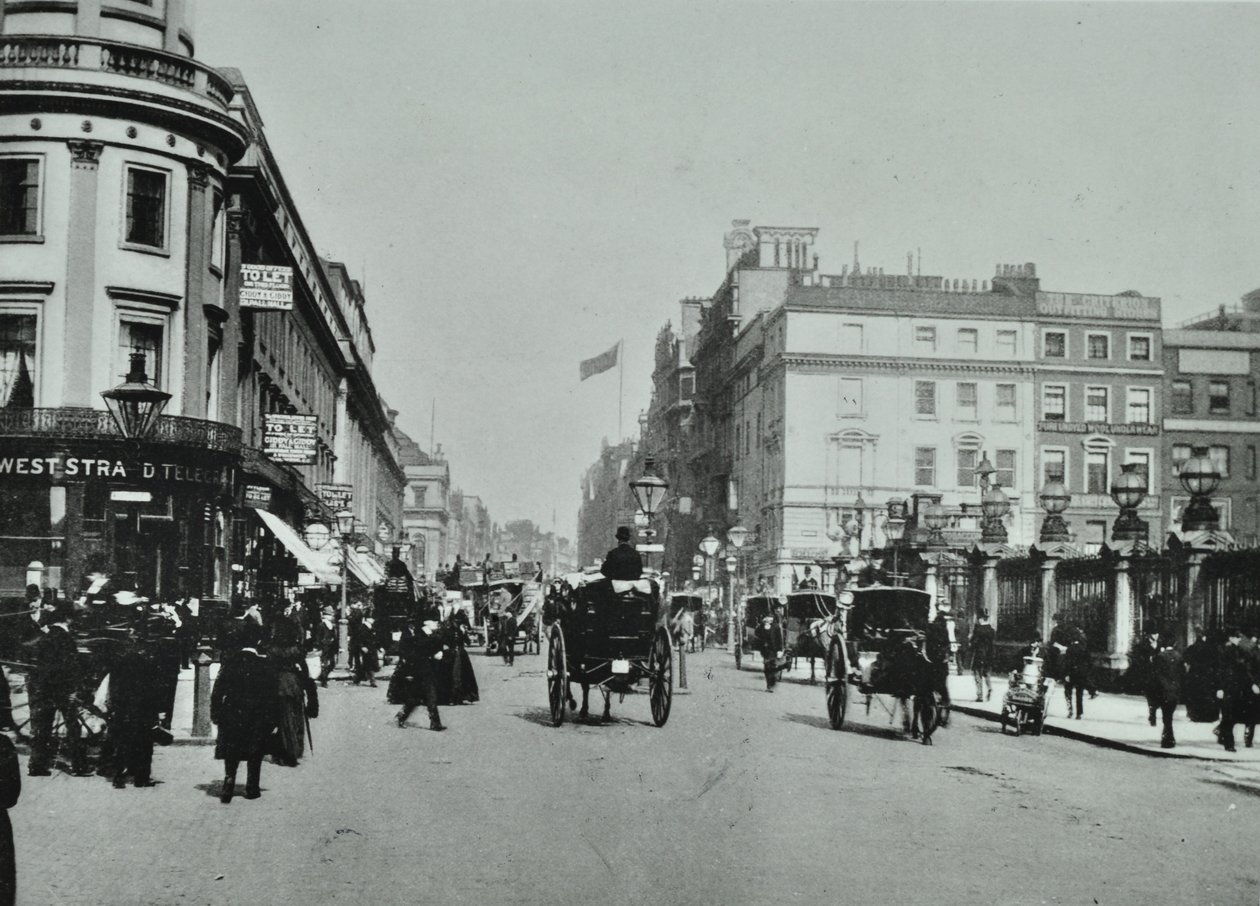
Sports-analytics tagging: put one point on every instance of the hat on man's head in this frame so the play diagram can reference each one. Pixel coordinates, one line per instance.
(623, 533)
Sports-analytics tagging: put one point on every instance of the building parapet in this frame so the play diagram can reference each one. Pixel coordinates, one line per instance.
(95, 55)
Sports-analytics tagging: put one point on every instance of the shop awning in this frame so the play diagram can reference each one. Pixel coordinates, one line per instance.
(312, 561)
(365, 569)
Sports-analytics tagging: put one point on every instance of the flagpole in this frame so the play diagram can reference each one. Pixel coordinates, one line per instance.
(621, 370)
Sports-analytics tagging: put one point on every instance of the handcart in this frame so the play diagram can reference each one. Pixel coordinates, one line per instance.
(1024, 705)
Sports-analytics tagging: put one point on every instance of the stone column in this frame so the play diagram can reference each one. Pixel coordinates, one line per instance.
(77, 370)
(175, 17)
(930, 586)
(198, 257)
(989, 588)
(87, 19)
(1121, 617)
(1049, 595)
(230, 385)
(1196, 593)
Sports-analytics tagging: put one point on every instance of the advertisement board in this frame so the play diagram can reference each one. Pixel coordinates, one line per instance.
(268, 287)
(290, 438)
(336, 497)
(257, 496)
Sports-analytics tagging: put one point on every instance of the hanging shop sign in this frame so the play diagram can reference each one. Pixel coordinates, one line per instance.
(290, 438)
(257, 496)
(268, 287)
(336, 497)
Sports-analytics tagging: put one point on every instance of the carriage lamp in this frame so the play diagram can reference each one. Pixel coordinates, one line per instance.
(135, 404)
(994, 504)
(1199, 476)
(649, 488)
(936, 519)
(1128, 491)
(1054, 498)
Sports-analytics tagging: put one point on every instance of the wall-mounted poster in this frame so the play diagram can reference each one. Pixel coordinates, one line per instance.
(290, 438)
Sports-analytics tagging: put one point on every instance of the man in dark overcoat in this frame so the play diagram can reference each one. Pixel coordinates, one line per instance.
(325, 634)
(939, 649)
(507, 636)
(133, 709)
(772, 642)
(983, 653)
(623, 561)
(1236, 683)
(245, 705)
(53, 686)
(1166, 673)
(1140, 674)
(421, 653)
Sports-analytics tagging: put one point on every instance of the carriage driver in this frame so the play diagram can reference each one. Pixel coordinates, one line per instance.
(623, 561)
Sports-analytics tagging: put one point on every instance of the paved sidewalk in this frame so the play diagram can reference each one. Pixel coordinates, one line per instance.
(1117, 721)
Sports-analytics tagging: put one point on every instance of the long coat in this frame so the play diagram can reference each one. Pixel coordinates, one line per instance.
(10, 789)
(1199, 688)
(245, 704)
(415, 678)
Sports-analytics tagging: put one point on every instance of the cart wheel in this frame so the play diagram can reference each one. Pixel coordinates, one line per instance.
(661, 677)
(739, 654)
(557, 675)
(837, 685)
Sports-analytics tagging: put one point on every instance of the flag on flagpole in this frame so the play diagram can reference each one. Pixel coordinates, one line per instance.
(600, 363)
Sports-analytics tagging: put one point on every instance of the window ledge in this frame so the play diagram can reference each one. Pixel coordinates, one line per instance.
(215, 270)
(145, 249)
(26, 287)
(22, 238)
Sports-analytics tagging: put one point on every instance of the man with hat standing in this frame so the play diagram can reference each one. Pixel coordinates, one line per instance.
(326, 644)
(53, 686)
(623, 561)
(772, 640)
(938, 643)
(1237, 682)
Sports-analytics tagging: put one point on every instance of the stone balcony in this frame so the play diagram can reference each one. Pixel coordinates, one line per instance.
(42, 52)
(85, 424)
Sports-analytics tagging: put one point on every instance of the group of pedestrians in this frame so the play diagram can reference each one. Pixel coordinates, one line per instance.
(1217, 678)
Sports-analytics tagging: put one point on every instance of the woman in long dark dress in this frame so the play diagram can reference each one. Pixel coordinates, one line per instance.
(1198, 689)
(292, 677)
(463, 687)
(245, 706)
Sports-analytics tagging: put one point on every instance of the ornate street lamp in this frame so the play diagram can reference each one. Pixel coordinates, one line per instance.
(1054, 498)
(1200, 478)
(994, 504)
(345, 531)
(1128, 491)
(135, 404)
(985, 472)
(936, 519)
(895, 530)
(649, 489)
(736, 535)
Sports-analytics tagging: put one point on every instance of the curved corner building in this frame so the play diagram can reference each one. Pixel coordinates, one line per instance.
(114, 147)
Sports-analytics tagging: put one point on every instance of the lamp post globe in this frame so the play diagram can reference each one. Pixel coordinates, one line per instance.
(135, 404)
(1200, 477)
(737, 535)
(709, 545)
(649, 488)
(1128, 491)
(1054, 499)
(995, 505)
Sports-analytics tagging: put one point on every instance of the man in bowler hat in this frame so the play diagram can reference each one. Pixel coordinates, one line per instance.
(623, 561)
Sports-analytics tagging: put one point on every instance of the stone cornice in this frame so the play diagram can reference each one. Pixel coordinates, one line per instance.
(852, 363)
(85, 155)
(147, 296)
(26, 287)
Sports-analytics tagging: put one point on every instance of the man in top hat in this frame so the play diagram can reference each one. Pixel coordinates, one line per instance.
(772, 640)
(938, 643)
(326, 643)
(53, 686)
(1236, 683)
(623, 561)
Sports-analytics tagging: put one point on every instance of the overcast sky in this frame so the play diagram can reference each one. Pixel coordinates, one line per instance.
(520, 185)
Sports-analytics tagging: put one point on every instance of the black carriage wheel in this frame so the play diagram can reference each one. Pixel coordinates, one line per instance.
(925, 711)
(557, 676)
(837, 685)
(661, 677)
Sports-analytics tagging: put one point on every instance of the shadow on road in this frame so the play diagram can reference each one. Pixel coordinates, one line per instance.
(821, 723)
(539, 716)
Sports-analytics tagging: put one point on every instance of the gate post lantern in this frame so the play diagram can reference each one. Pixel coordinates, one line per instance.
(1054, 499)
(1128, 491)
(1199, 477)
(994, 504)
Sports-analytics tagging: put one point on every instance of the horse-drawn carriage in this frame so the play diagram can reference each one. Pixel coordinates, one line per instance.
(510, 586)
(611, 634)
(876, 643)
(687, 619)
(807, 613)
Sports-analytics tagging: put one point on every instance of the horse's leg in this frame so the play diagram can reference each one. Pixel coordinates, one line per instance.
(812, 678)
(586, 694)
(607, 705)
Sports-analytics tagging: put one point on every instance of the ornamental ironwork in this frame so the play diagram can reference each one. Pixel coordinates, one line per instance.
(82, 423)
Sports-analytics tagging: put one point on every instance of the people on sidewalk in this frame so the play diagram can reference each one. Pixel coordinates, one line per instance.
(1167, 671)
(292, 677)
(134, 707)
(983, 653)
(53, 687)
(10, 790)
(363, 645)
(939, 649)
(244, 705)
(1238, 682)
(326, 644)
(1140, 677)
(421, 653)
(1078, 669)
(1202, 659)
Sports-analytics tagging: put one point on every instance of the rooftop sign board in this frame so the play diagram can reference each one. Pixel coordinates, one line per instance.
(267, 286)
(1085, 305)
